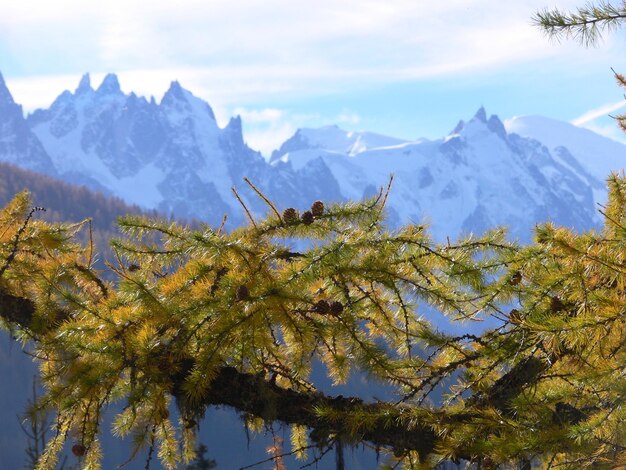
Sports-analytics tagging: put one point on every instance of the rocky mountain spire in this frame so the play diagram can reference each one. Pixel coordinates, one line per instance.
(84, 86)
(110, 85)
(5, 94)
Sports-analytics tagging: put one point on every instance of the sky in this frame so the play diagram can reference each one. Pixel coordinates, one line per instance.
(404, 68)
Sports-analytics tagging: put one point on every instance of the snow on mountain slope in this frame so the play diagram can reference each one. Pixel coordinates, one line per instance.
(476, 178)
(334, 139)
(172, 156)
(589, 155)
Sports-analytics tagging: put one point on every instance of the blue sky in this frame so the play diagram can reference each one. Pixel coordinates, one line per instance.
(407, 68)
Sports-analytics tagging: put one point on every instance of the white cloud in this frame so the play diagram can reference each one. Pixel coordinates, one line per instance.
(267, 128)
(607, 130)
(348, 117)
(237, 49)
(248, 52)
(269, 139)
(599, 112)
(257, 116)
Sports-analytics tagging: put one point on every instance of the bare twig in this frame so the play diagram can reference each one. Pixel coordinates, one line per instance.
(245, 208)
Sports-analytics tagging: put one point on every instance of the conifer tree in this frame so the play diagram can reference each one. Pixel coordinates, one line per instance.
(207, 317)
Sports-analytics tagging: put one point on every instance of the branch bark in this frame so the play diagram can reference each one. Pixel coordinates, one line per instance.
(253, 395)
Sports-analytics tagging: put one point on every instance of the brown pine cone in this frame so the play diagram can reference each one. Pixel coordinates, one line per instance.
(290, 215)
(556, 304)
(317, 209)
(243, 293)
(78, 450)
(515, 316)
(321, 306)
(307, 217)
(336, 307)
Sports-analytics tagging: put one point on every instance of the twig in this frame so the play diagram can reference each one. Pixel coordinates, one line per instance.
(274, 457)
(221, 227)
(245, 208)
(265, 198)
(90, 244)
(386, 195)
(16, 239)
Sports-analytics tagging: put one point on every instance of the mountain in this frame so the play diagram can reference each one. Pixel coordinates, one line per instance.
(335, 139)
(18, 144)
(477, 177)
(597, 155)
(589, 155)
(65, 202)
(172, 156)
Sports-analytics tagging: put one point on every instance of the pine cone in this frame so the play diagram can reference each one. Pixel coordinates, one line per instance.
(317, 209)
(243, 293)
(290, 215)
(307, 217)
(133, 267)
(336, 307)
(321, 306)
(556, 305)
(515, 317)
(516, 278)
(78, 450)
(565, 413)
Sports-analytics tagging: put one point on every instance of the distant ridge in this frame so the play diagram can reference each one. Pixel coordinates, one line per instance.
(171, 156)
(64, 202)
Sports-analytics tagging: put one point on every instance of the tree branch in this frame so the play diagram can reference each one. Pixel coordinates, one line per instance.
(254, 395)
(389, 425)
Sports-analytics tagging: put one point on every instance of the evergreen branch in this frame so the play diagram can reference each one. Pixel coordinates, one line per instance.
(584, 25)
(390, 426)
(16, 240)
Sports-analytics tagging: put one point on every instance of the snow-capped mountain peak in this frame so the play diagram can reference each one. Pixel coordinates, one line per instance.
(480, 123)
(84, 86)
(18, 144)
(6, 99)
(481, 114)
(174, 93)
(178, 99)
(234, 129)
(475, 178)
(595, 154)
(334, 139)
(171, 156)
(109, 86)
(174, 157)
